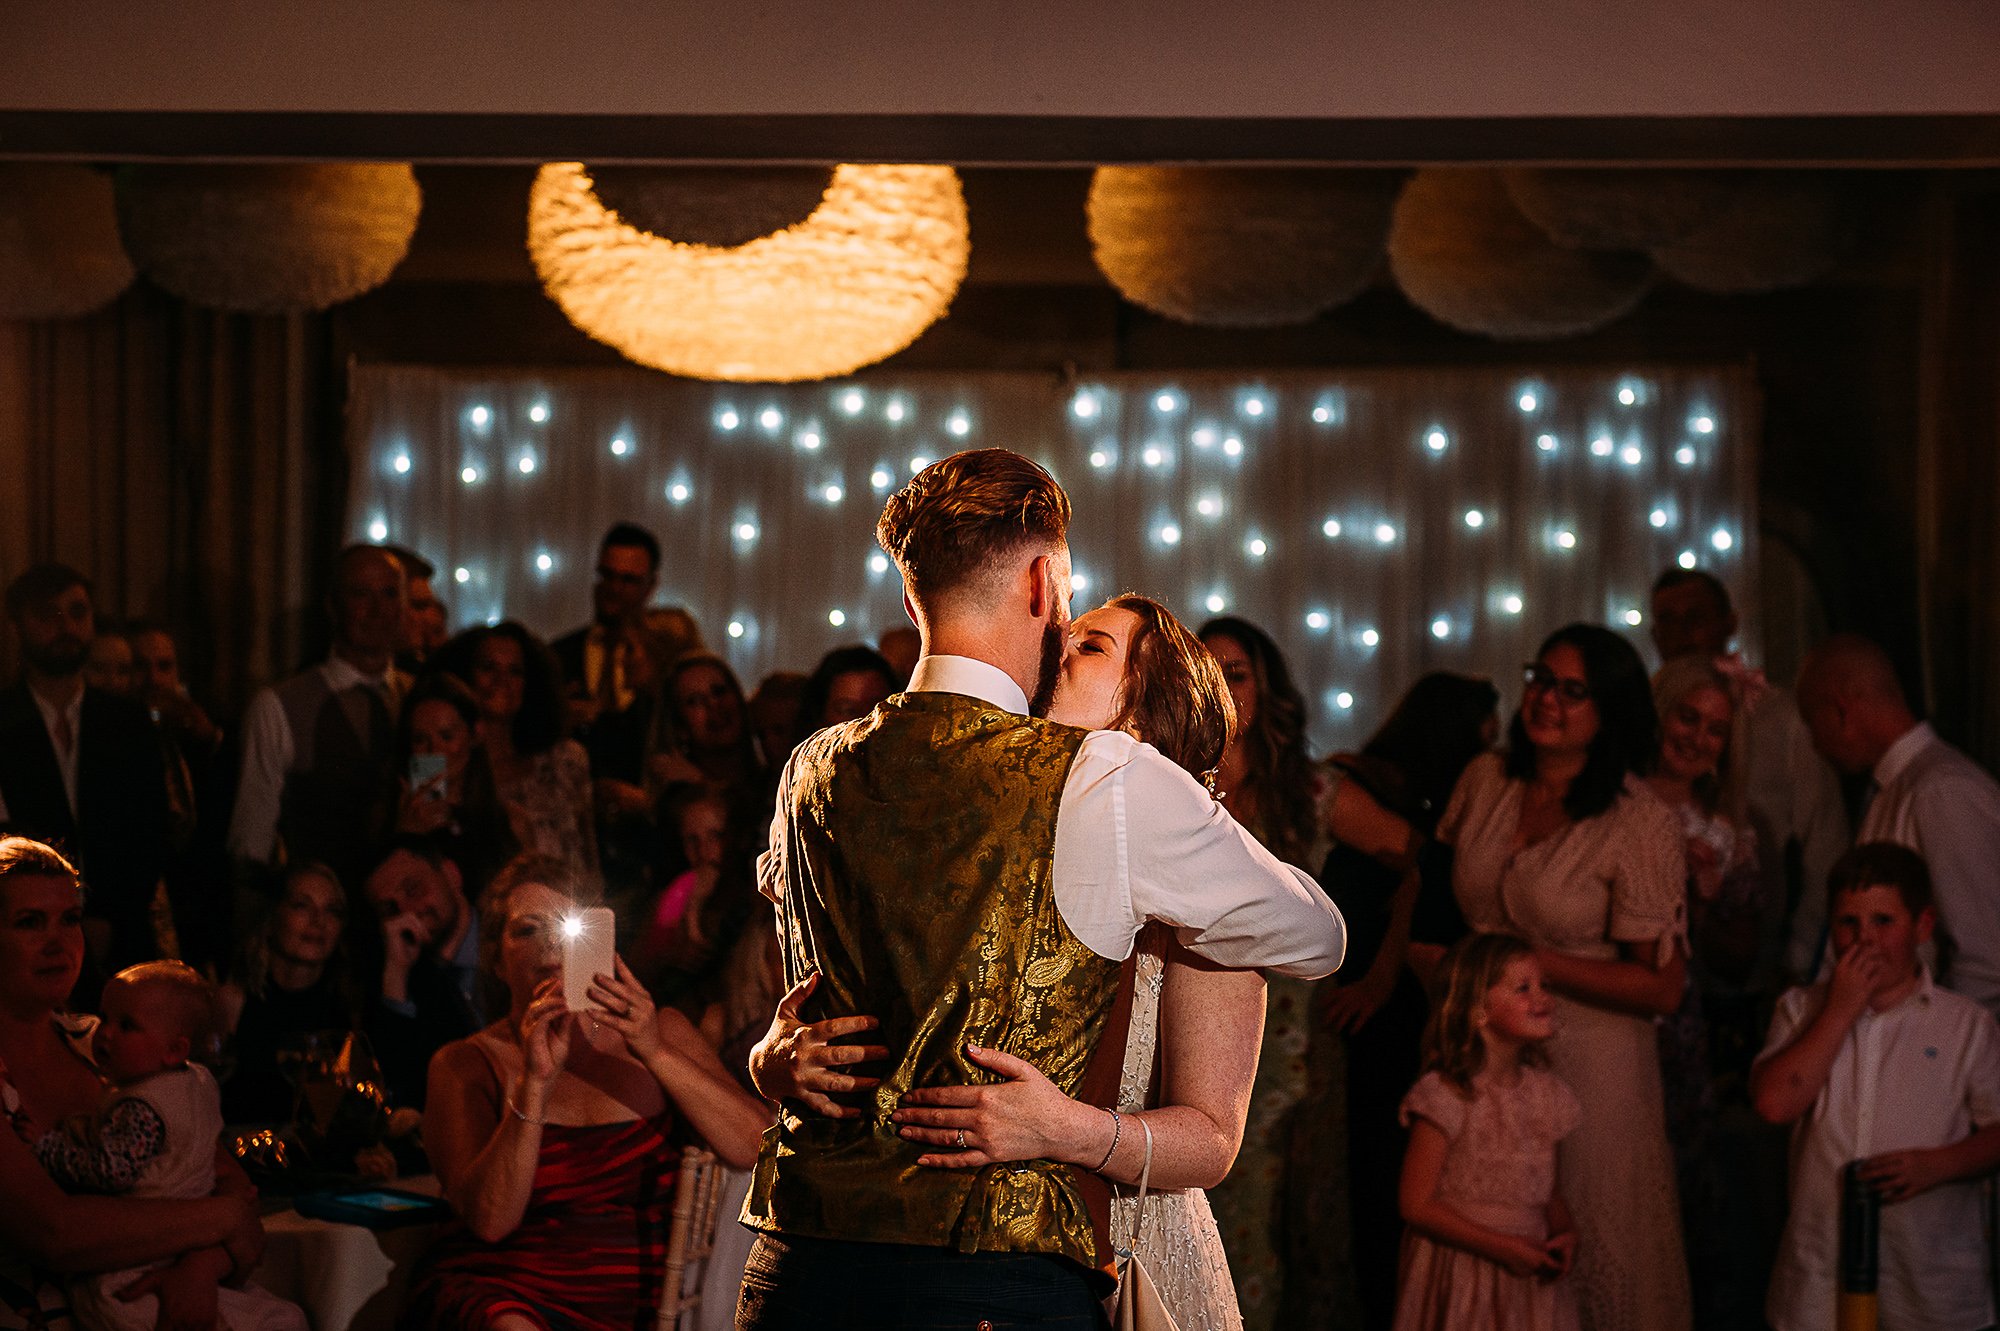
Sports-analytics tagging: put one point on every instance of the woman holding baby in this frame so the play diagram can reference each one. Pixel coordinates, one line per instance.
(47, 1076)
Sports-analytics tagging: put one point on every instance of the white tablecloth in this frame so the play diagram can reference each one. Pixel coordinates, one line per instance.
(346, 1277)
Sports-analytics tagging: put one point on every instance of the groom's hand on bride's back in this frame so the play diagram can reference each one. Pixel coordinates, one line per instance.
(800, 1062)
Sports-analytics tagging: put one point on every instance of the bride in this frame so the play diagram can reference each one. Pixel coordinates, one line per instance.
(1191, 1052)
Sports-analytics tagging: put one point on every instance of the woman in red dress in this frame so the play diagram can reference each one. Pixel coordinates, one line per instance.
(557, 1135)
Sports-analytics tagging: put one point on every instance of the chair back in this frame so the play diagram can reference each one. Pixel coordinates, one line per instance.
(690, 1238)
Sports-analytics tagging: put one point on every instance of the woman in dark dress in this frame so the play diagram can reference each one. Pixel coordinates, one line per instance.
(290, 994)
(1387, 799)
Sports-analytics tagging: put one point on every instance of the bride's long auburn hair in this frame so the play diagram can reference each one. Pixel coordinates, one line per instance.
(1173, 695)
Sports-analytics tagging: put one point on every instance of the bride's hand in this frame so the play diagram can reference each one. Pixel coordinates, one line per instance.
(1022, 1118)
(797, 1062)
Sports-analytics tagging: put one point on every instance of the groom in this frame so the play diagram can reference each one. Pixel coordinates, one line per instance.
(976, 876)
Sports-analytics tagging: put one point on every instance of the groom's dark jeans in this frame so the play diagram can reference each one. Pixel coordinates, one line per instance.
(803, 1284)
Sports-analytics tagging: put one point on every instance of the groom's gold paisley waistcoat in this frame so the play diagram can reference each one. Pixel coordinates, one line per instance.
(918, 883)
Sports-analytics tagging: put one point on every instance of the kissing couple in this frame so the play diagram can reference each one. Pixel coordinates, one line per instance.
(1014, 873)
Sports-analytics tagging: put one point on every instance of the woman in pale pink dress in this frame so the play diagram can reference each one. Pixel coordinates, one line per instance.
(1560, 842)
(1489, 1242)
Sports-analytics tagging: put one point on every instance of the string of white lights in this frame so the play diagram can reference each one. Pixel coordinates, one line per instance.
(1377, 523)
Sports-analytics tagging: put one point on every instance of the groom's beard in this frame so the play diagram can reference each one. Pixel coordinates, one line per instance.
(1054, 639)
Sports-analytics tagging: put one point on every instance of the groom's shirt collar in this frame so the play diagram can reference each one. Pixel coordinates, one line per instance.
(973, 678)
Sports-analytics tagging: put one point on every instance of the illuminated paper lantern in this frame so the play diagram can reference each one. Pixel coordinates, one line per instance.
(874, 265)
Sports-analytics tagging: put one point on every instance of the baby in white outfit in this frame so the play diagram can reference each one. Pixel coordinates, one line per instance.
(155, 1136)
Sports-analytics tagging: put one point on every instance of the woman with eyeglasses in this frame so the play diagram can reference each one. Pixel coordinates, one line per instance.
(1558, 839)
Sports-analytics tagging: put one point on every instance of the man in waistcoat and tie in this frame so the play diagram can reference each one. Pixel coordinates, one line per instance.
(319, 748)
(942, 863)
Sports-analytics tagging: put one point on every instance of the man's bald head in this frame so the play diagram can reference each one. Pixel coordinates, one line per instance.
(1853, 702)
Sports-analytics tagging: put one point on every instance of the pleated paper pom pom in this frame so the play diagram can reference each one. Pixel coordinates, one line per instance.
(1462, 252)
(268, 239)
(1239, 247)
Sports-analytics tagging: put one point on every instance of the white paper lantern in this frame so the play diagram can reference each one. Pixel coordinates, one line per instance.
(874, 265)
(269, 239)
(59, 250)
(1239, 247)
(1463, 253)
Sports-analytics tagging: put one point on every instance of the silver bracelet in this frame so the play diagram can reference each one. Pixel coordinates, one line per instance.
(1117, 1130)
(542, 1122)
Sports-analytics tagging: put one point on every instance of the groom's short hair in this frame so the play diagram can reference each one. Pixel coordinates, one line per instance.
(959, 517)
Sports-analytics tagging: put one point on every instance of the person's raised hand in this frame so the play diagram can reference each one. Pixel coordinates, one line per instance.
(626, 1007)
(404, 938)
(423, 810)
(799, 1062)
(546, 1029)
(1856, 972)
(1025, 1117)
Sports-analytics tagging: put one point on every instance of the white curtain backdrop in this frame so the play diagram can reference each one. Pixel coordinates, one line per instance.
(1378, 523)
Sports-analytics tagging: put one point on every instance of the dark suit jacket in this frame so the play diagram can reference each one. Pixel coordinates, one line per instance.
(118, 836)
(404, 1043)
(616, 741)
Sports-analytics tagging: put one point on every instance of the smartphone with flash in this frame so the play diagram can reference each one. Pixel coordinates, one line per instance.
(588, 938)
(425, 769)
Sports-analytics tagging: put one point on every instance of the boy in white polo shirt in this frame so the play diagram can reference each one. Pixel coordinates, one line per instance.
(1877, 1063)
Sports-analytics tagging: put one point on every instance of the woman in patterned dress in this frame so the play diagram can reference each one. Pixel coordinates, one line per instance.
(542, 777)
(1560, 841)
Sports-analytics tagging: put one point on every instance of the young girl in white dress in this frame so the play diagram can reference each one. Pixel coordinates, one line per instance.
(1489, 1240)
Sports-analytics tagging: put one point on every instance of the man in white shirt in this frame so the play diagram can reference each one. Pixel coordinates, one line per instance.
(1923, 794)
(1875, 1064)
(922, 871)
(1793, 795)
(318, 748)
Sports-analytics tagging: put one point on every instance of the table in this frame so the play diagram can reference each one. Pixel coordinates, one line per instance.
(346, 1277)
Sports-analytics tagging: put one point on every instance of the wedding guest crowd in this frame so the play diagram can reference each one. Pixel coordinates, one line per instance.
(1599, 945)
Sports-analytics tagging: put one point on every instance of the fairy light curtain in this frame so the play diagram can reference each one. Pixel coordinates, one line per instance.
(1378, 523)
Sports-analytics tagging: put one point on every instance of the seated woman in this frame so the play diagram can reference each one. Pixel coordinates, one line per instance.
(46, 1076)
(556, 1134)
(291, 990)
(1194, 1029)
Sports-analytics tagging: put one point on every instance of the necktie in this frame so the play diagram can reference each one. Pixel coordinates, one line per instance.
(607, 674)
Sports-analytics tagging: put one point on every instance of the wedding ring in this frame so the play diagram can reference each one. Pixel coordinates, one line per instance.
(961, 1139)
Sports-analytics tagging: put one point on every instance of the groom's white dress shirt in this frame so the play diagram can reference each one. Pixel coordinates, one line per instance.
(1138, 839)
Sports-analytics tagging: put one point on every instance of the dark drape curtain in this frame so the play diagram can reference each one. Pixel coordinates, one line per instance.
(189, 463)
(1958, 464)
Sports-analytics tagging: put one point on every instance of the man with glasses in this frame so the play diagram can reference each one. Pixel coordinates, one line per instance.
(606, 669)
